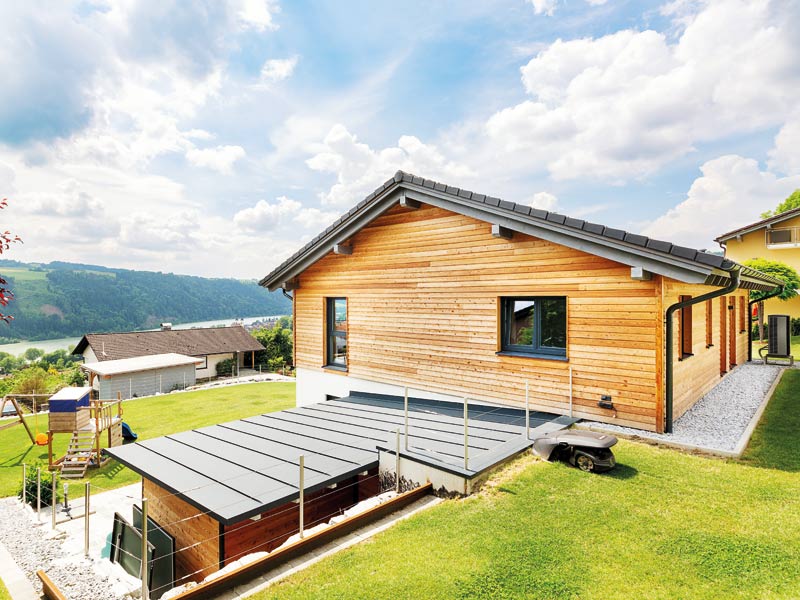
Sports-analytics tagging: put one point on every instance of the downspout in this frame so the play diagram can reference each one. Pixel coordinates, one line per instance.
(776, 292)
(287, 294)
(731, 287)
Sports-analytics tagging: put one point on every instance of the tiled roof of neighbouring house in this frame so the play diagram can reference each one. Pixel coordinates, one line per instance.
(190, 342)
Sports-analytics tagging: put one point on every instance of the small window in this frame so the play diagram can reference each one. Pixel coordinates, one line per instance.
(709, 323)
(336, 310)
(686, 327)
(742, 314)
(779, 236)
(535, 325)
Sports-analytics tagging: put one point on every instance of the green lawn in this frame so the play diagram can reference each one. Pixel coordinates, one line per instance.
(4, 595)
(663, 525)
(148, 417)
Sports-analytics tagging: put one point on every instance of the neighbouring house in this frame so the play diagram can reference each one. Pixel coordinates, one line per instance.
(141, 375)
(775, 238)
(454, 293)
(211, 345)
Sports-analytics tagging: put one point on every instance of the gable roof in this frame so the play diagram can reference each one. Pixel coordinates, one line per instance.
(138, 364)
(189, 342)
(664, 258)
(769, 221)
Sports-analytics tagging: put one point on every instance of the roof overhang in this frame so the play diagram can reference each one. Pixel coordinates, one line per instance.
(763, 224)
(668, 265)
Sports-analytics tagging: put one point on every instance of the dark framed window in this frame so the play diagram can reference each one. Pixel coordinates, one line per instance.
(336, 316)
(534, 325)
(685, 326)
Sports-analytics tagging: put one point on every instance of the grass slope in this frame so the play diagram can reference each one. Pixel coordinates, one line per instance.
(148, 417)
(663, 525)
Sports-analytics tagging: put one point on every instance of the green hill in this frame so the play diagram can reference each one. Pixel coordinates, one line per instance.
(63, 299)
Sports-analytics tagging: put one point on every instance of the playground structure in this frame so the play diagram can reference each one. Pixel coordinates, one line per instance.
(73, 411)
(20, 419)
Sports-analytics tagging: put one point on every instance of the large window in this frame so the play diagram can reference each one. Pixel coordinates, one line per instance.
(336, 311)
(535, 326)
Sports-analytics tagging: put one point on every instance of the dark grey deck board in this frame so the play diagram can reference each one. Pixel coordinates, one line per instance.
(243, 468)
(395, 419)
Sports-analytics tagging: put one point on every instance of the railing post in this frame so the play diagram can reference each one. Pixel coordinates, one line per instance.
(397, 462)
(466, 434)
(527, 414)
(24, 483)
(301, 485)
(145, 570)
(570, 392)
(53, 500)
(38, 493)
(86, 496)
(406, 416)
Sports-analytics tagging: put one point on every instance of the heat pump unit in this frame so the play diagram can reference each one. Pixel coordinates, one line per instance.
(779, 339)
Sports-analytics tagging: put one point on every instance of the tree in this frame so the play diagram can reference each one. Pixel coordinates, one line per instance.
(33, 354)
(793, 201)
(6, 239)
(278, 347)
(777, 269)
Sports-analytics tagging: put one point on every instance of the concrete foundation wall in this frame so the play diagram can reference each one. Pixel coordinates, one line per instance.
(145, 383)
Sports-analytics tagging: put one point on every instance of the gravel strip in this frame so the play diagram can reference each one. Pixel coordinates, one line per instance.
(34, 546)
(718, 420)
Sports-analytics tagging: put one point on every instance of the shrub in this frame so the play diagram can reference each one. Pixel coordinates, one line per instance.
(47, 486)
(226, 367)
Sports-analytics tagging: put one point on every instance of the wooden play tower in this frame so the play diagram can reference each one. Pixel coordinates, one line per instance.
(73, 411)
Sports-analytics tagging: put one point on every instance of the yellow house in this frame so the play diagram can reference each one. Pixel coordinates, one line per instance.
(776, 238)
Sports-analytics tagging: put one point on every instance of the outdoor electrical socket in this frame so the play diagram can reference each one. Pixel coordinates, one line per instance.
(605, 402)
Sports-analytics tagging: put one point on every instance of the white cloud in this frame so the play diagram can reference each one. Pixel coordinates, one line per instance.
(544, 7)
(278, 69)
(256, 14)
(266, 216)
(359, 169)
(544, 201)
(548, 7)
(220, 159)
(785, 156)
(622, 105)
(731, 193)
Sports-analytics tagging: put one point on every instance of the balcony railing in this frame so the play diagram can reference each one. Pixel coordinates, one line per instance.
(784, 237)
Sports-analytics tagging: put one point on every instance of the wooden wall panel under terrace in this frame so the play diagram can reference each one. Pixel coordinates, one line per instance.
(280, 523)
(172, 514)
(695, 375)
(423, 288)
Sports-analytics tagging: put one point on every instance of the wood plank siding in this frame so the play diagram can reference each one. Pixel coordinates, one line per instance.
(423, 290)
(695, 375)
(197, 537)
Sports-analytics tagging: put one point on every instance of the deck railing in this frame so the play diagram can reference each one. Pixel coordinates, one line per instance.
(104, 412)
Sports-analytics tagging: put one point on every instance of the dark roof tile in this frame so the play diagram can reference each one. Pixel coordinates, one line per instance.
(539, 213)
(556, 218)
(709, 259)
(439, 187)
(683, 252)
(465, 194)
(522, 209)
(417, 180)
(614, 234)
(479, 197)
(492, 201)
(593, 228)
(634, 238)
(659, 245)
(576, 223)
(506, 205)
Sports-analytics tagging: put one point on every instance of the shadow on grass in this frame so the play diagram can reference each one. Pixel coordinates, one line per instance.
(622, 472)
(776, 440)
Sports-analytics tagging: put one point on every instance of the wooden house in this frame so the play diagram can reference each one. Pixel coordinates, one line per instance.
(454, 293)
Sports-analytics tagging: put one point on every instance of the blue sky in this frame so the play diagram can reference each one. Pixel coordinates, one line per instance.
(215, 138)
